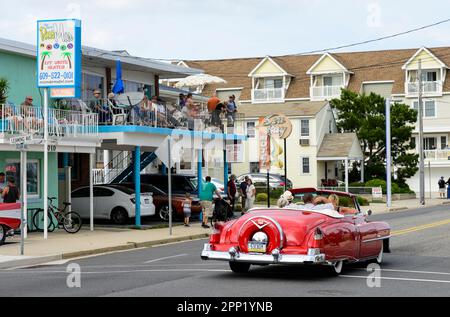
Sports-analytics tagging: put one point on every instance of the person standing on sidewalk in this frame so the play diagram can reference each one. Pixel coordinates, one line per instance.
(187, 209)
(11, 193)
(243, 193)
(232, 190)
(251, 195)
(206, 199)
(442, 187)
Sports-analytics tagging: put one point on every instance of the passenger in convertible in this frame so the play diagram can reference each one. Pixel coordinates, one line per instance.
(333, 200)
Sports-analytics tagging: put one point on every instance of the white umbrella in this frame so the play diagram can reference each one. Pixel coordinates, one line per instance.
(199, 80)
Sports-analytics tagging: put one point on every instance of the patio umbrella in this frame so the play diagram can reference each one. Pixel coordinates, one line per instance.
(118, 85)
(199, 80)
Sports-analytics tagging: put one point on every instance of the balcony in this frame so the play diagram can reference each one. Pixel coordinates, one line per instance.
(430, 88)
(437, 155)
(268, 95)
(18, 120)
(325, 92)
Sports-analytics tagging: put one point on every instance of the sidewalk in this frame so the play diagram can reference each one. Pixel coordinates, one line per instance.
(402, 205)
(61, 245)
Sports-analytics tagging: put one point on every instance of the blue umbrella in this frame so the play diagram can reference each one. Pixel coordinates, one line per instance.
(118, 85)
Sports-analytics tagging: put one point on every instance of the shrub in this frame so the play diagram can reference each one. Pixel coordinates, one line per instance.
(363, 201)
(377, 183)
(261, 197)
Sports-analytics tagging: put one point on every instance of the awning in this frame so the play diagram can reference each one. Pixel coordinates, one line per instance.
(340, 146)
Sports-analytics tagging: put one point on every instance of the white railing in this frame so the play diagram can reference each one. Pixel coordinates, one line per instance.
(437, 155)
(325, 92)
(61, 123)
(429, 87)
(268, 95)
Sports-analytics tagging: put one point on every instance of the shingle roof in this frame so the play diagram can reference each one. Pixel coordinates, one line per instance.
(337, 145)
(301, 109)
(366, 66)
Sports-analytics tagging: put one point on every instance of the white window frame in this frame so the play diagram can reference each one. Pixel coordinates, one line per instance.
(304, 137)
(302, 166)
(35, 161)
(414, 103)
(247, 129)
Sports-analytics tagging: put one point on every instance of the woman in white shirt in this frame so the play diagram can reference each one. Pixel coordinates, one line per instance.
(251, 195)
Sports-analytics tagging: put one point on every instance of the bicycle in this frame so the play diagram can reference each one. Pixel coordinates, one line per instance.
(70, 221)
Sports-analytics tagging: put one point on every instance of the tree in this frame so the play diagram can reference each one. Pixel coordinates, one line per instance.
(4, 87)
(365, 116)
(44, 55)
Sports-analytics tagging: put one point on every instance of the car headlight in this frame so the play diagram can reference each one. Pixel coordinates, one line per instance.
(260, 237)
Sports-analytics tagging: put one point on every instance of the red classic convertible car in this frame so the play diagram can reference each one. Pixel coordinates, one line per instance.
(296, 236)
(9, 220)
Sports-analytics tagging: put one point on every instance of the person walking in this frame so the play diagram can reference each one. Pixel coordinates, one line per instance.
(206, 199)
(11, 193)
(251, 195)
(243, 193)
(442, 187)
(187, 209)
(232, 191)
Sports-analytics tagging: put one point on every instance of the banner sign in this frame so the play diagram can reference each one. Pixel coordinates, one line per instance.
(59, 54)
(264, 146)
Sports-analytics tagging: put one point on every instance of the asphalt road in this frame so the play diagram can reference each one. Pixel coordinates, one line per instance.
(418, 266)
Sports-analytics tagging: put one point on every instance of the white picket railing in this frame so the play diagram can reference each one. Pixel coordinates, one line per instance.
(437, 155)
(325, 92)
(268, 95)
(428, 87)
(61, 123)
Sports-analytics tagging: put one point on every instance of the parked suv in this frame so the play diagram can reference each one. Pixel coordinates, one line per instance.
(276, 181)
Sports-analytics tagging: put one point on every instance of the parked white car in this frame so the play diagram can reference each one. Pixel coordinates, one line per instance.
(113, 202)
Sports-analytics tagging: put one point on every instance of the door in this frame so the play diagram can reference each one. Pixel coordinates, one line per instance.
(103, 202)
(369, 245)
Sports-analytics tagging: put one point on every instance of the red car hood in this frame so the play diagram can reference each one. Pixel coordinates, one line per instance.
(295, 224)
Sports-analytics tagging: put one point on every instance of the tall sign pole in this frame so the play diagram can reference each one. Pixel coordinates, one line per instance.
(388, 154)
(59, 68)
(421, 141)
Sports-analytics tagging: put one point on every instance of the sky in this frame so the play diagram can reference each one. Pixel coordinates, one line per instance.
(213, 29)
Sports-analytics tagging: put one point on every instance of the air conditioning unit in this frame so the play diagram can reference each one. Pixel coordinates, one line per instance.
(304, 142)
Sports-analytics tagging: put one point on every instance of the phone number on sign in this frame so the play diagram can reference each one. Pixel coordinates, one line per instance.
(55, 75)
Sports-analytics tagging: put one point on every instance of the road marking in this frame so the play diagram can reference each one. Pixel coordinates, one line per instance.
(420, 228)
(166, 258)
(407, 271)
(118, 272)
(396, 279)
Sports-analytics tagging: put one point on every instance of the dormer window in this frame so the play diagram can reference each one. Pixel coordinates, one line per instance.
(270, 82)
(433, 72)
(328, 78)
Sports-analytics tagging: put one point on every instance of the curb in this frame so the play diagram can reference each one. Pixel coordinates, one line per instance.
(34, 261)
(131, 246)
(29, 261)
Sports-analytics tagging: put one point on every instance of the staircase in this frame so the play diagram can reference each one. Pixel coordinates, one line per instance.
(120, 168)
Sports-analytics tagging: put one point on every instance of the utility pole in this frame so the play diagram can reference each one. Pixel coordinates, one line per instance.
(421, 140)
(388, 155)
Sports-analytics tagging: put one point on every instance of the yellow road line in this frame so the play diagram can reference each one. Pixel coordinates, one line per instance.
(420, 228)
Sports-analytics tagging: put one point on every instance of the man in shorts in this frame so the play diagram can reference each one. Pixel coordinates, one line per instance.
(206, 199)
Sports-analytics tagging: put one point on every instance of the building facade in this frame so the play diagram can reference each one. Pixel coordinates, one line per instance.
(280, 83)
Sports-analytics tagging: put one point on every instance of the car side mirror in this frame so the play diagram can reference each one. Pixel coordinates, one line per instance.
(368, 213)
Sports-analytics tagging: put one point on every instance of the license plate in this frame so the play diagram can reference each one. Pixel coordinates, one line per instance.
(257, 247)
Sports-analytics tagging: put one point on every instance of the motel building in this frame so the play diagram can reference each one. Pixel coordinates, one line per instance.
(85, 152)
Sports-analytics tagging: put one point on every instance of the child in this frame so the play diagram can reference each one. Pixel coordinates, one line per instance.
(187, 204)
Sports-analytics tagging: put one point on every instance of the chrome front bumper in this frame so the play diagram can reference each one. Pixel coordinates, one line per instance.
(274, 258)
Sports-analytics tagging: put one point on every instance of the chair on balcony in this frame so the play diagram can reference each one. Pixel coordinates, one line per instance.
(118, 114)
